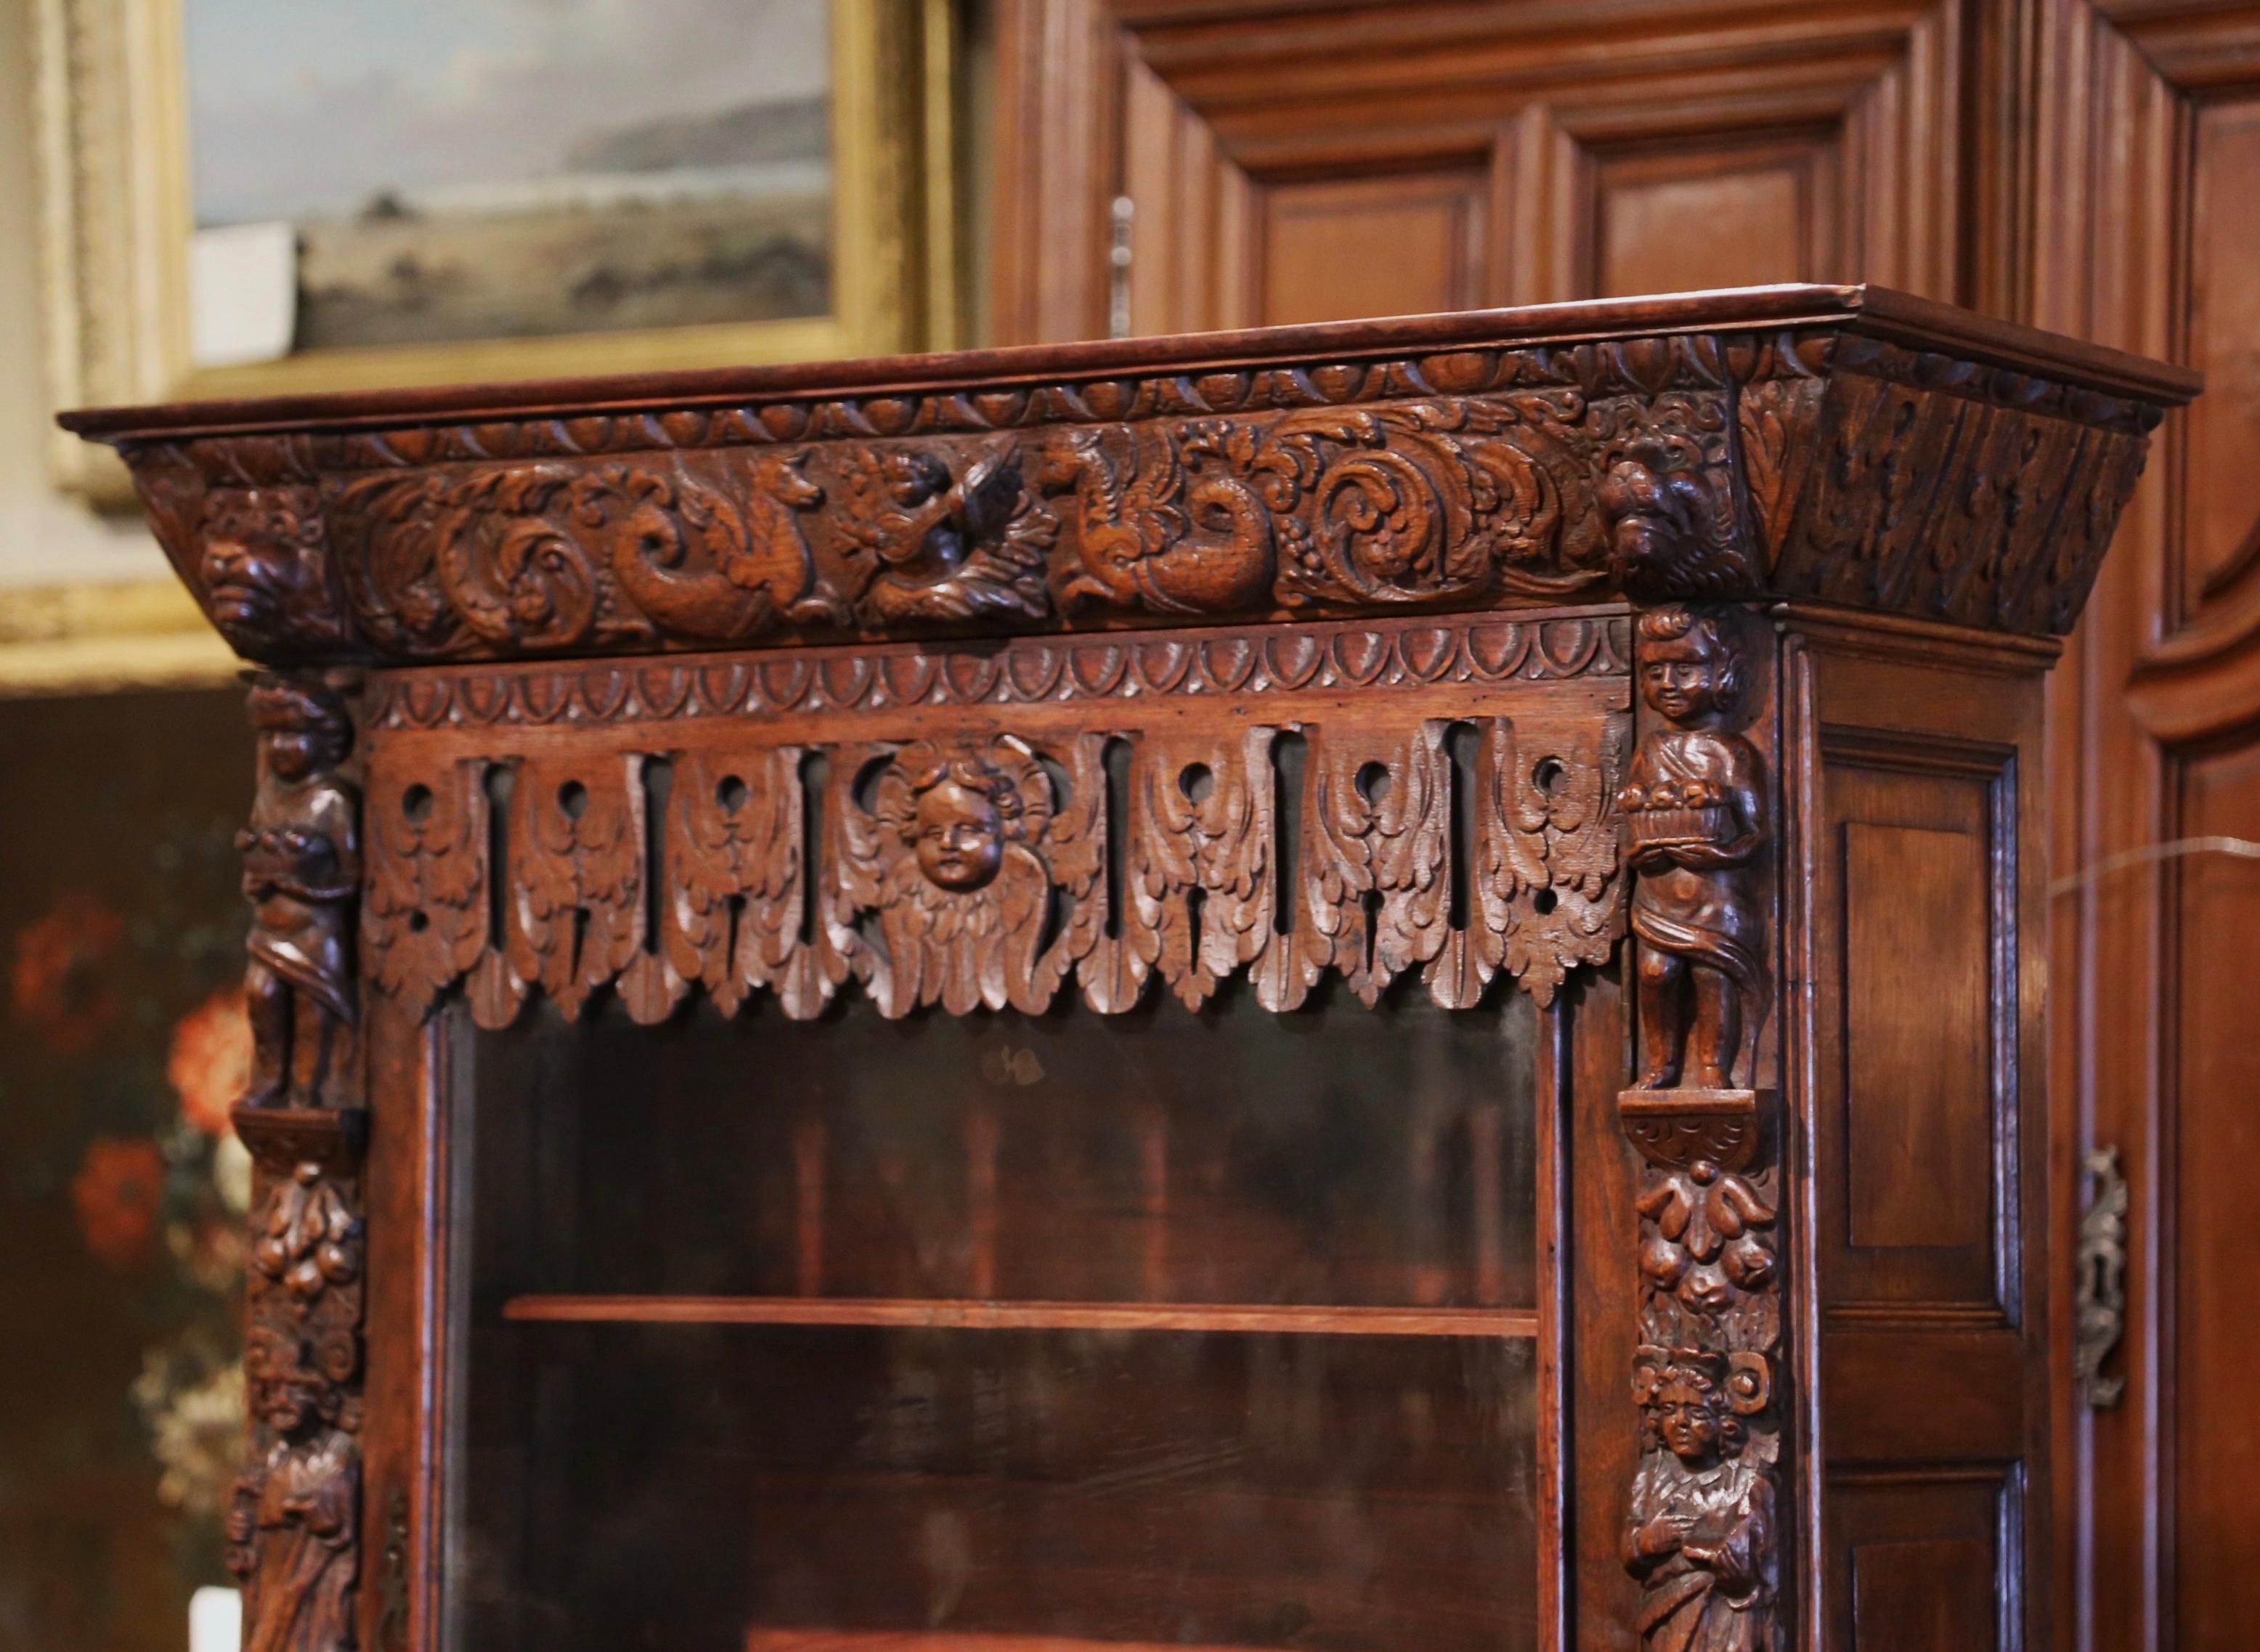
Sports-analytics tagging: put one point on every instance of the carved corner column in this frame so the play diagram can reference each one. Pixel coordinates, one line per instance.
(294, 1529)
(1704, 1526)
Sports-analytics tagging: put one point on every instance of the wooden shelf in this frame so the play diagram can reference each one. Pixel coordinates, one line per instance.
(930, 1314)
(782, 1640)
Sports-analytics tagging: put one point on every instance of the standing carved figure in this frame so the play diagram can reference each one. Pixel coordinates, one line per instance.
(1700, 1535)
(293, 1530)
(301, 873)
(1695, 807)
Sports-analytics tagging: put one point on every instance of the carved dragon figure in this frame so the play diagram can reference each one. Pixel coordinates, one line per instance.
(1149, 536)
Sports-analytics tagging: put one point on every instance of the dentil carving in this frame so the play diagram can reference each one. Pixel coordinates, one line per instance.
(302, 874)
(1694, 810)
(294, 1526)
(1700, 1537)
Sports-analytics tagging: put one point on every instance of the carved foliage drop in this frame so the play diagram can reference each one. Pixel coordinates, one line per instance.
(1701, 1532)
(293, 1527)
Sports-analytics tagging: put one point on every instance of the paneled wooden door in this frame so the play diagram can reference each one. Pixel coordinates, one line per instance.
(2091, 166)
(2148, 150)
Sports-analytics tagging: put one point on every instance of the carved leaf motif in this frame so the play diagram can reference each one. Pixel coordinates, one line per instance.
(1375, 859)
(576, 855)
(425, 905)
(1559, 901)
(1199, 862)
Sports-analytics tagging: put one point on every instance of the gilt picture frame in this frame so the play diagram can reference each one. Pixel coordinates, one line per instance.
(117, 216)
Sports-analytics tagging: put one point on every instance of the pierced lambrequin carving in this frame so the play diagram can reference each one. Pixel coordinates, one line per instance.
(1701, 1532)
(965, 867)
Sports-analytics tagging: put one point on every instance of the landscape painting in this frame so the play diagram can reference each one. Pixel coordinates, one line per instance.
(454, 170)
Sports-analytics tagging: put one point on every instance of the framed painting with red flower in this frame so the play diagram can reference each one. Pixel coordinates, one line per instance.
(121, 952)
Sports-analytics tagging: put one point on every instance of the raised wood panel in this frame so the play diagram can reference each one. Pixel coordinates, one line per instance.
(1499, 153)
(2216, 1144)
(2223, 477)
(1675, 221)
(1926, 1562)
(1921, 880)
(2147, 158)
(1916, 1093)
(1394, 244)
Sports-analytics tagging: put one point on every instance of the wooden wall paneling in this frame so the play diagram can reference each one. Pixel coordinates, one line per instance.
(1305, 163)
(2148, 127)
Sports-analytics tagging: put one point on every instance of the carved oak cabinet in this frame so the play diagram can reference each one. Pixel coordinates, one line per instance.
(1366, 987)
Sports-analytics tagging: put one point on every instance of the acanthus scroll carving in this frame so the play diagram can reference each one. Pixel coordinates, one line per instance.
(1810, 463)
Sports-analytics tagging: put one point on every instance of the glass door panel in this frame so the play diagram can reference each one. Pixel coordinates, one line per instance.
(1007, 1332)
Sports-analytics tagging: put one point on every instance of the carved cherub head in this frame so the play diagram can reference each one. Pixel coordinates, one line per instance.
(1689, 671)
(303, 730)
(1694, 1401)
(956, 811)
(960, 829)
(259, 566)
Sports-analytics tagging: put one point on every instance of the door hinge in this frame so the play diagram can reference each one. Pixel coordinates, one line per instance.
(2100, 1317)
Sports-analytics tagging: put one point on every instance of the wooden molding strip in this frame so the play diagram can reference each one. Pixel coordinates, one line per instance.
(892, 1314)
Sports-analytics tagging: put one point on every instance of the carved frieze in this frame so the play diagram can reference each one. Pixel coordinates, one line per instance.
(1810, 463)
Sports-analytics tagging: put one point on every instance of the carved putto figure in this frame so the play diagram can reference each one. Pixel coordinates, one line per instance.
(952, 550)
(1694, 805)
(293, 1531)
(301, 872)
(1700, 1535)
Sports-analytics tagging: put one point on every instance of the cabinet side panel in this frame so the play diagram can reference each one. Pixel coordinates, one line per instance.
(1926, 1145)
